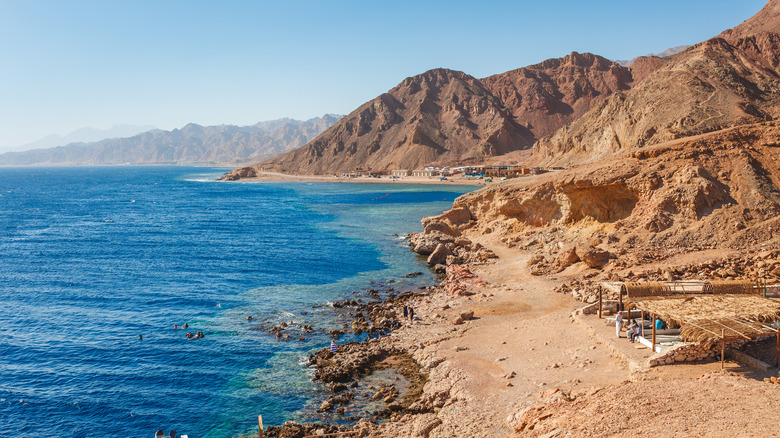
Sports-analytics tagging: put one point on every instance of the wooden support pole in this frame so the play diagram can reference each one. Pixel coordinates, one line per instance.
(600, 301)
(620, 300)
(653, 334)
(722, 348)
(777, 349)
(260, 423)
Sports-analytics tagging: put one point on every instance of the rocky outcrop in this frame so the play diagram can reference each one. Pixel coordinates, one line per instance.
(237, 174)
(715, 190)
(440, 242)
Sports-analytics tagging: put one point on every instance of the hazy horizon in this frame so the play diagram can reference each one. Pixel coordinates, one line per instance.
(94, 64)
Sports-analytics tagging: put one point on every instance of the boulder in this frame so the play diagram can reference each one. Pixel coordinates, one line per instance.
(422, 244)
(447, 222)
(439, 255)
(462, 241)
(535, 259)
(592, 256)
(567, 256)
(467, 315)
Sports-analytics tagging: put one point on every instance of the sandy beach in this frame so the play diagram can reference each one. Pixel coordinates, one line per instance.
(454, 180)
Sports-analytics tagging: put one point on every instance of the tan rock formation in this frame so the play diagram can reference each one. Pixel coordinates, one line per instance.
(714, 190)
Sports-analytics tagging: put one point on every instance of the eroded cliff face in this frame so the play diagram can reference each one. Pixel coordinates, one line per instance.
(719, 190)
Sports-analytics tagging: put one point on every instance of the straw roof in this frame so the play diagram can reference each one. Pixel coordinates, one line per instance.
(707, 311)
(703, 317)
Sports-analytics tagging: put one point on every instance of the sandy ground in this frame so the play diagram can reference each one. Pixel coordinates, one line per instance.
(272, 176)
(521, 326)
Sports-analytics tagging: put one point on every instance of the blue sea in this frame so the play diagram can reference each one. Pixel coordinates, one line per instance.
(92, 258)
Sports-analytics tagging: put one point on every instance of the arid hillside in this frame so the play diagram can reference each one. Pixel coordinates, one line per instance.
(445, 117)
(766, 20)
(727, 81)
(441, 116)
(711, 86)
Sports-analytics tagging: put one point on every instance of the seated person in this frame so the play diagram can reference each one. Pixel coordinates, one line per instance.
(633, 330)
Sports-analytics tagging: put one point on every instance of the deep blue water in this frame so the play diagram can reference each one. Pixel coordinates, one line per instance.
(93, 257)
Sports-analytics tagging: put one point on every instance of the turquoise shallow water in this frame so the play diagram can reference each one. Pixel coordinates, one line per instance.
(93, 257)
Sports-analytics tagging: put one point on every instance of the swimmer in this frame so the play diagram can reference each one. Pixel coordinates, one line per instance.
(185, 325)
(140, 337)
(176, 326)
(189, 335)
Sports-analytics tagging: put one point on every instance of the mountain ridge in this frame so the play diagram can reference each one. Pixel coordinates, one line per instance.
(446, 117)
(190, 144)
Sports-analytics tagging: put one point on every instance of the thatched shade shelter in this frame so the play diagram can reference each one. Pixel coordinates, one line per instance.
(708, 312)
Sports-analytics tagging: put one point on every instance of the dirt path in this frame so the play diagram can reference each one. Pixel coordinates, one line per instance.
(521, 343)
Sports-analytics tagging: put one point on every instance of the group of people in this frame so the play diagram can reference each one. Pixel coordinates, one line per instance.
(409, 313)
(634, 330)
(199, 334)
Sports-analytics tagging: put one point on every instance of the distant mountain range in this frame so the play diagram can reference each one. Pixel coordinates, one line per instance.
(192, 144)
(83, 135)
(665, 54)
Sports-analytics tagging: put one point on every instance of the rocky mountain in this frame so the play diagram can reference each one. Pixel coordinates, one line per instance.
(445, 117)
(713, 85)
(440, 116)
(190, 144)
(548, 95)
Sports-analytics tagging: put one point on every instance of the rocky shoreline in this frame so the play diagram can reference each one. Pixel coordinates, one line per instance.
(395, 344)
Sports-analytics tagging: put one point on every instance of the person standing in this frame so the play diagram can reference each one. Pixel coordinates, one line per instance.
(333, 346)
(406, 311)
(411, 314)
(618, 323)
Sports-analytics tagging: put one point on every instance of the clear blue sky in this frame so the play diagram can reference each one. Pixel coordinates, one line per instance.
(70, 64)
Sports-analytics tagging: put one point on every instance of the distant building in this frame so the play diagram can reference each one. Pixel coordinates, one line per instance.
(508, 171)
(400, 172)
(425, 172)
